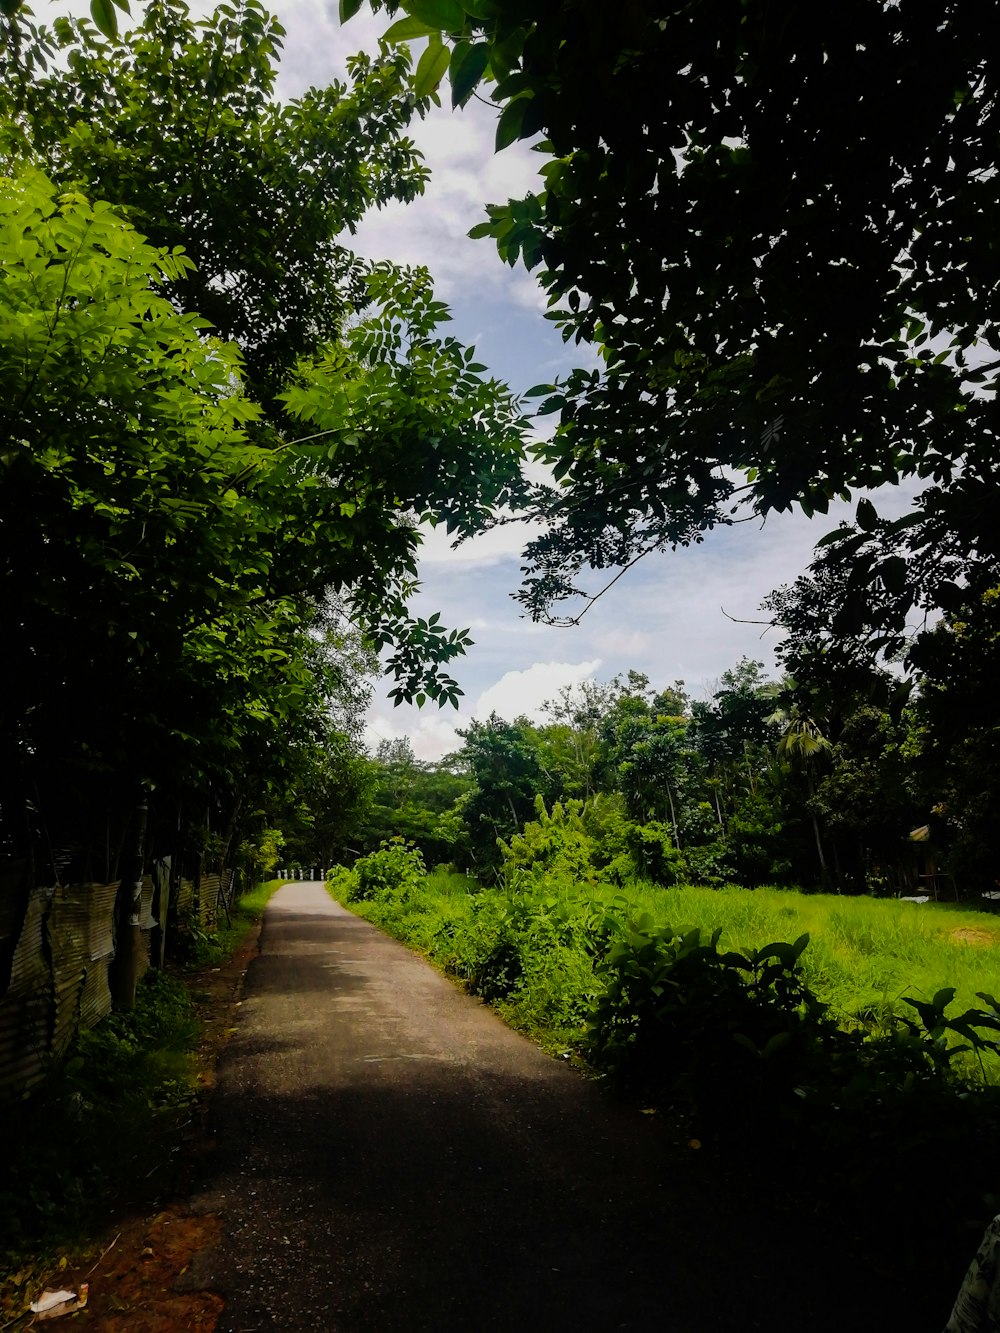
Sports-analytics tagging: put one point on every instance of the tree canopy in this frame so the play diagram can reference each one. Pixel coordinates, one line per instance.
(181, 497)
(778, 231)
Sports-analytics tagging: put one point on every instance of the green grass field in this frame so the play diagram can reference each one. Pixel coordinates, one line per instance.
(864, 956)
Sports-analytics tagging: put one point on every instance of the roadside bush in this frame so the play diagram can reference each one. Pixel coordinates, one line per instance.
(706, 1031)
(555, 843)
(589, 843)
(84, 1135)
(392, 873)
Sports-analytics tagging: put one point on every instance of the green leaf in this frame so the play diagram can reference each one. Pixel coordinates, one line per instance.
(348, 8)
(431, 68)
(468, 64)
(406, 29)
(105, 17)
(511, 121)
(742, 1040)
(446, 14)
(893, 572)
(867, 516)
(481, 9)
(775, 1044)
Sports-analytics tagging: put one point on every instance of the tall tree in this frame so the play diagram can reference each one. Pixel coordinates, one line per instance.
(507, 765)
(177, 125)
(169, 540)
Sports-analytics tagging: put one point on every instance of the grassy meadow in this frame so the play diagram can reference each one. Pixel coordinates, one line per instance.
(864, 954)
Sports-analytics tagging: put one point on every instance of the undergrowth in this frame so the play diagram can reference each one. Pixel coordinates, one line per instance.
(109, 1114)
(89, 1130)
(201, 948)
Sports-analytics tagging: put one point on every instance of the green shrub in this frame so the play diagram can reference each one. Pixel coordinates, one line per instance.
(707, 1031)
(587, 843)
(555, 843)
(103, 1116)
(391, 873)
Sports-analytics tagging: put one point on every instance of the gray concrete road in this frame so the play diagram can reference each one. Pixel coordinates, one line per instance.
(391, 1157)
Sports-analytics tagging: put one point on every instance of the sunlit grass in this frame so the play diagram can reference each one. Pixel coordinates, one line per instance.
(864, 957)
(864, 954)
(211, 948)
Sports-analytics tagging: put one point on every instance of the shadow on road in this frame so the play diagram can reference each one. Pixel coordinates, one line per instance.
(390, 1157)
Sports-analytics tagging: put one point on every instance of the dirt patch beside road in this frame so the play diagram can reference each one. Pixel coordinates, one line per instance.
(142, 1271)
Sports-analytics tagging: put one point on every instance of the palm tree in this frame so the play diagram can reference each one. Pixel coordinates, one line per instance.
(801, 745)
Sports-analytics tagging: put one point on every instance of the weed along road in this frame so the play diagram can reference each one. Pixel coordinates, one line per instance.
(391, 1157)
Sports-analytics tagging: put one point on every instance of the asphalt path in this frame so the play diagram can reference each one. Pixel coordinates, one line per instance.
(392, 1157)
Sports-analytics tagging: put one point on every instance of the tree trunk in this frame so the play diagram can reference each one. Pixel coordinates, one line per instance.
(227, 841)
(824, 874)
(673, 818)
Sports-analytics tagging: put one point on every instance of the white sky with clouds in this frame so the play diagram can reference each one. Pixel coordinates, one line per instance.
(665, 617)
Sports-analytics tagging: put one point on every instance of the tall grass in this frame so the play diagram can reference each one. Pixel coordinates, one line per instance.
(864, 954)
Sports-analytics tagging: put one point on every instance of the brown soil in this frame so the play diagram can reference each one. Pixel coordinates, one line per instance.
(134, 1287)
(140, 1273)
(969, 935)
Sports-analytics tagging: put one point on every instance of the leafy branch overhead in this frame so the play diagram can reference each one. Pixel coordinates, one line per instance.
(778, 231)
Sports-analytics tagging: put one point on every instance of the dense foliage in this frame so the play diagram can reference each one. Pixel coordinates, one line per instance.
(764, 782)
(220, 430)
(778, 232)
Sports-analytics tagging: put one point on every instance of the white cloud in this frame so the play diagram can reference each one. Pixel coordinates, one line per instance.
(489, 548)
(432, 735)
(522, 693)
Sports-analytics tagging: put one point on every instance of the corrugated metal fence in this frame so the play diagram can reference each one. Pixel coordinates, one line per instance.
(64, 947)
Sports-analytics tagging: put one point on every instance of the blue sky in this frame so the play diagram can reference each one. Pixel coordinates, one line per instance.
(666, 617)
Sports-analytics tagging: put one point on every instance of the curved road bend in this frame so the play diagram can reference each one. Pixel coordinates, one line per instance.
(392, 1157)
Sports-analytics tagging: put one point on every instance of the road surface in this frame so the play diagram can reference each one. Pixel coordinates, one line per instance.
(391, 1157)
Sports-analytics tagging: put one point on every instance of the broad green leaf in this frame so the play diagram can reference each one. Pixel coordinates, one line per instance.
(510, 122)
(431, 68)
(408, 29)
(105, 17)
(505, 54)
(481, 9)
(348, 8)
(468, 64)
(867, 515)
(446, 14)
